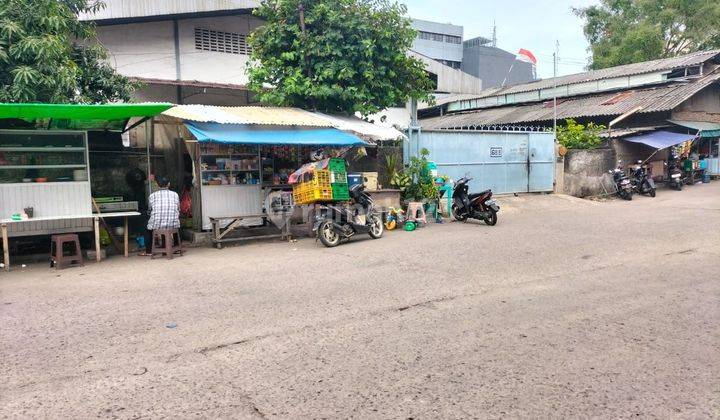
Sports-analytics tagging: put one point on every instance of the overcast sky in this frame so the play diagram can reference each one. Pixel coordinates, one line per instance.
(534, 25)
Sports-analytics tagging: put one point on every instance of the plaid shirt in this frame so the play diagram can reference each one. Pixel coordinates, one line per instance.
(165, 210)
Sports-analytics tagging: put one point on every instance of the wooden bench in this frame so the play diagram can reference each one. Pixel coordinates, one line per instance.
(220, 233)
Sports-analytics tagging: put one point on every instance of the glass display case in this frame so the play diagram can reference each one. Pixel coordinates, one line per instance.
(36, 157)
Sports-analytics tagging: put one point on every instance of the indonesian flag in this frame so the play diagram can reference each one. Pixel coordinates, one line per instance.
(526, 56)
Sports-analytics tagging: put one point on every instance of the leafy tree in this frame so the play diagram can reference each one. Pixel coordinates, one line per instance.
(335, 55)
(577, 136)
(631, 31)
(48, 55)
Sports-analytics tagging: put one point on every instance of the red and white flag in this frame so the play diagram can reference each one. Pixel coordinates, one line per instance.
(526, 56)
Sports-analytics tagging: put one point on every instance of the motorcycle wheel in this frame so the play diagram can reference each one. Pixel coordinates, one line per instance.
(376, 227)
(457, 216)
(327, 234)
(652, 192)
(679, 186)
(492, 220)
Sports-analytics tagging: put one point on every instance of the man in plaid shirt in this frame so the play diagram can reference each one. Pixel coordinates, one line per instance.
(164, 211)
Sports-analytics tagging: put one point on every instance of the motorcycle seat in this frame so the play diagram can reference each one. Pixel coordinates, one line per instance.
(480, 194)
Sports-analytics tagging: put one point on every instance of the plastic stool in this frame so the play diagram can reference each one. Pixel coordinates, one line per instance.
(416, 213)
(58, 259)
(163, 243)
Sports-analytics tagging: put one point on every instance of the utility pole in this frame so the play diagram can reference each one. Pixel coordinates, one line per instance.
(555, 75)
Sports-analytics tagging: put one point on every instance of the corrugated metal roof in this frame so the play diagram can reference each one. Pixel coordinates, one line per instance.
(608, 73)
(256, 115)
(247, 115)
(368, 131)
(656, 99)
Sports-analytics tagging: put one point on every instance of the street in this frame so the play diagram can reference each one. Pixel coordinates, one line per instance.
(566, 308)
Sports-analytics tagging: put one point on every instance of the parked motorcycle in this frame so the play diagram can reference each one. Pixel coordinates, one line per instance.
(622, 184)
(473, 206)
(675, 174)
(642, 180)
(344, 220)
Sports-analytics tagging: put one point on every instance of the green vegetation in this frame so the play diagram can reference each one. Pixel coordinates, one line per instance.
(631, 31)
(421, 185)
(577, 136)
(335, 56)
(47, 55)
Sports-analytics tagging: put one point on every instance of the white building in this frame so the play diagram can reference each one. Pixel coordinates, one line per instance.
(196, 51)
(185, 51)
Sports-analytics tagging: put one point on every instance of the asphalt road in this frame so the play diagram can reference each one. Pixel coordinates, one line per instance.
(566, 308)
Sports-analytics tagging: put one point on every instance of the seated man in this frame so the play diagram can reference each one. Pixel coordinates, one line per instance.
(164, 211)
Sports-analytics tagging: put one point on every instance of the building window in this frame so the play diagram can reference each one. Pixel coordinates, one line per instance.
(431, 36)
(452, 39)
(450, 63)
(218, 41)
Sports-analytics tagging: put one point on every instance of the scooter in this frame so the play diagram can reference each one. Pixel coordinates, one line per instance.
(335, 222)
(479, 206)
(622, 184)
(675, 174)
(643, 182)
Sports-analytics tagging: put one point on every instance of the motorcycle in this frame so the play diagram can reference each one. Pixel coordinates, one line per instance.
(643, 182)
(622, 184)
(344, 220)
(479, 206)
(675, 174)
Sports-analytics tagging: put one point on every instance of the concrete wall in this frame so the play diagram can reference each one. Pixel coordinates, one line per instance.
(450, 80)
(492, 65)
(586, 172)
(702, 107)
(439, 50)
(193, 95)
(147, 50)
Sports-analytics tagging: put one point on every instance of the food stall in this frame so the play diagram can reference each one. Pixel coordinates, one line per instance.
(44, 166)
(241, 155)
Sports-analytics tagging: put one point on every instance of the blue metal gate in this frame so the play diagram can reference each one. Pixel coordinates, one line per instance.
(506, 161)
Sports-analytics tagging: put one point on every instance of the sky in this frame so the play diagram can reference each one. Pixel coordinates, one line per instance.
(533, 25)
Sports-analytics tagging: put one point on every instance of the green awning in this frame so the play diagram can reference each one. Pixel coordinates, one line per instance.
(706, 129)
(80, 117)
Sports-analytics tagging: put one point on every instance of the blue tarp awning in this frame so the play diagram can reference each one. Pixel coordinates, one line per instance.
(661, 139)
(272, 135)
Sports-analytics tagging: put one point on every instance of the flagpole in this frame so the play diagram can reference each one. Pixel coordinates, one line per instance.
(508, 73)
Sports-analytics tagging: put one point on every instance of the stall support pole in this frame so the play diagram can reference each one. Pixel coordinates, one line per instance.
(6, 247)
(97, 238)
(126, 238)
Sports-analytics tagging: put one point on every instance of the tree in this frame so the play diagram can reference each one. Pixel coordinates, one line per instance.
(631, 31)
(48, 55)
(577, 136)
(335, 55)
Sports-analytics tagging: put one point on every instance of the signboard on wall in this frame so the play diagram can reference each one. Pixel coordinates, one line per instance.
(496, 152)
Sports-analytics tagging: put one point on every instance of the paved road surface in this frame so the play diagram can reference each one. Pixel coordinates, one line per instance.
(567, 308)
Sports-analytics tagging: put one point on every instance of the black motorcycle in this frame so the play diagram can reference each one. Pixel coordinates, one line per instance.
(623, 185)
(642, 180)
(344, 220)
(479, 206)
(675, 178)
